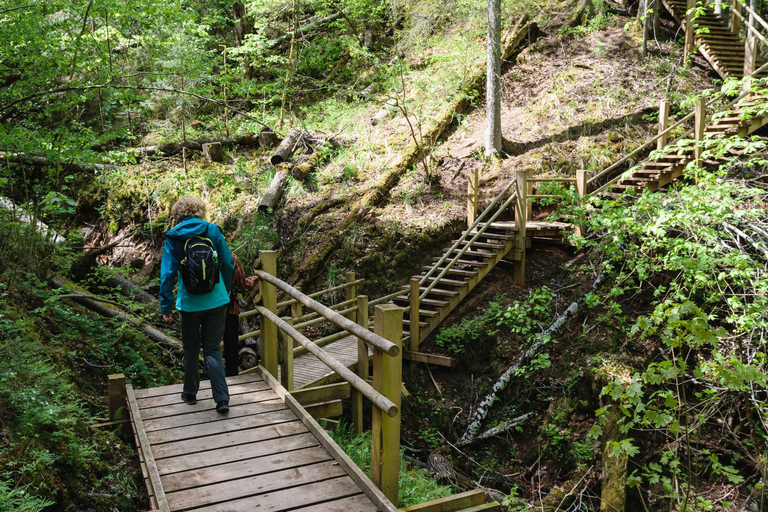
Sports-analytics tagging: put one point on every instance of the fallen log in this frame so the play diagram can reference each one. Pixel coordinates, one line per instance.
(23, 216)
(511, 42)
(485, 406)
(39, 161)
(171, 148)
(306, 166)
(275, 191)
(286, 147)
(105, 309)
(504, 426)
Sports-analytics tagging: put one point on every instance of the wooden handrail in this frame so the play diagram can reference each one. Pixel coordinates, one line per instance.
(379, 400)
(753, 13)
(321, 292)
(343, 322)
(752, 28)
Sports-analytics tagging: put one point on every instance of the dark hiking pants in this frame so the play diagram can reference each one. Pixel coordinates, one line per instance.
(231, 345)
(206, 328)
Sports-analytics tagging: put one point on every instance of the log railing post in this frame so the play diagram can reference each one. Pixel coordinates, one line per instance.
(269, 300)
(521, 183)
(296, 309)
(350, 292)
(286, 358)
(362, 365)
(581, 182)
(473, 179)
(735, 19)
(690, 31)
(700, 121)
(414, 329)
(750, 60)
(118, 406)
(387, 379)
(663, 124)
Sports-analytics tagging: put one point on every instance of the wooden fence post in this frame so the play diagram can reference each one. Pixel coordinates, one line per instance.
(118, 406)
(750, 60)
(663, 124)
(362, 365)
(735, 20)
(286, 358)
(414, 329)
(269, 300)
(473, 179)
(520, 222)
(700, 121)
(296, 309)
(689, 30)
(581, 182)
(528, 203)
(387, 379)
(350, 292)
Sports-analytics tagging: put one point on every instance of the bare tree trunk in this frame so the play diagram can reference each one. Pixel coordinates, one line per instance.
(493, 80)
(275, 191)
(241, 30)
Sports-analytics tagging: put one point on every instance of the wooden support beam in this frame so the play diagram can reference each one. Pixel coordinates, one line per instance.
(362, 365)
(663, 124)
(433, 359)
(319, 394)
(286, 358)
(296, 310)
(750, 59)
(521, 221)
(581, 182)
(118, 407)
(700, 123)
(325, 409)
(689, 30)
(414, 329)
(387, 379)
(450, 503)
(473, 180)
(269, 300)
(735, 19)
(529, 204)
(350, 292)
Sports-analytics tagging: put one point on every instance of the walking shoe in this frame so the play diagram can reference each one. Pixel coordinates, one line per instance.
(222, 406)
(191, 400)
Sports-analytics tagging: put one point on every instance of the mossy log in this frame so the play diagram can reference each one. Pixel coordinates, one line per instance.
(267, 138)
(275, 191)
(286, 147)
(510, 42)
(247, 140)
(39, 161)
(305, 166)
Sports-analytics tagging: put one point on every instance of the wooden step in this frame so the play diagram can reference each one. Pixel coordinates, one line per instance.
(458, 272)
(478, 254)
(428, 312)
(430, 302)
(627, 187)
(470, 263)
(644, 179)
(450, 282)
(421, 324)
(495, 236)
(436, 291)
(480, 245)
(657, 165)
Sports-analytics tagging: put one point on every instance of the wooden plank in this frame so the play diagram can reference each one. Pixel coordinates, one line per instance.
(220, 427)
(234, 453)
(325, 393)
(325, 410)
(359, 503)
(244, 468)
(289, 499)
(211, 416)
(450, 503)
(202, 405)
(435, 359)
(174, 389)
(493, 506)
(255, 486)
(203, 394)
(254, 435)
(269, 300)
(362, 481)
(149, 460)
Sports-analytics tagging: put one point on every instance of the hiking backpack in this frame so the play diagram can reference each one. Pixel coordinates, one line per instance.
(200, 266)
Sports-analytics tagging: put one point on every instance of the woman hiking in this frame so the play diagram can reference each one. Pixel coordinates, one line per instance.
(195, 250)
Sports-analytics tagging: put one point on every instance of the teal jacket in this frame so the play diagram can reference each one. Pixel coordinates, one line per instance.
(173, 253)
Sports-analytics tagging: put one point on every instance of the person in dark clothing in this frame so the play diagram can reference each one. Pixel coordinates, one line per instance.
(203, 315)
(232, 328)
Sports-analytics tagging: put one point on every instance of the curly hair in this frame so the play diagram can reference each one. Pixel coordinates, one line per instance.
(187, 206)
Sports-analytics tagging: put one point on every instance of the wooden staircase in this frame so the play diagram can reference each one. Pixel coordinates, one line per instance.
(495, 244)
(654, 174)
(722, 48)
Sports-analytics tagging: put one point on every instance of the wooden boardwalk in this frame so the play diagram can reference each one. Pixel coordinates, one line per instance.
(309, 371)
(266, 454)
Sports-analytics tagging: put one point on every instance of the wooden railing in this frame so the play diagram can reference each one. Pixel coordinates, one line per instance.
(386, 341)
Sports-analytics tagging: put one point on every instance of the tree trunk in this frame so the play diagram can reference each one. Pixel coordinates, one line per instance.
(583, 11)
(493, 80)
(241, 30)
(307, 27)
(267, 138)
(275, 191)
(306, 166)
(613, 496)
(213, 152)
(286, 147)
